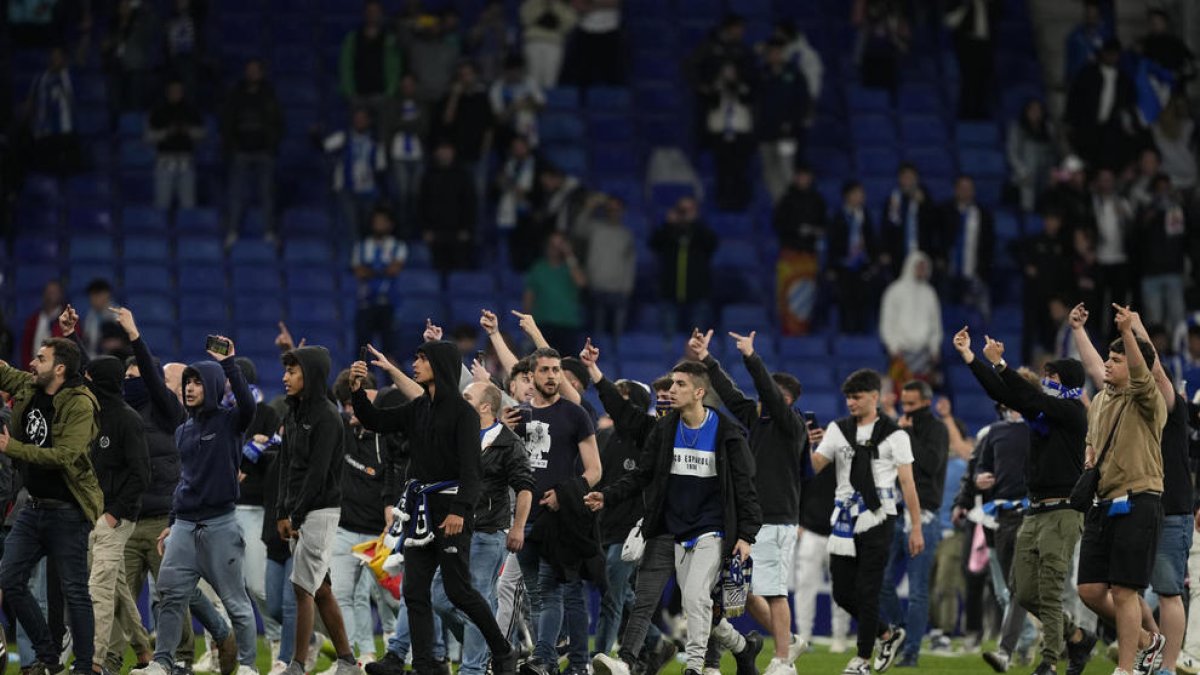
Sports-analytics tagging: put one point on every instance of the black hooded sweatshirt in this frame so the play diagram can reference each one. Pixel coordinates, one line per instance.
(443, 429)
(1055, 456)
(778, 437)
(931, 448)
(311, 458)
(370, 458)
(119, 453)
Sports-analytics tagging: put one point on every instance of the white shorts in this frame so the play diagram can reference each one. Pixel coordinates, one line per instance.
(773, 552)
(312, 554)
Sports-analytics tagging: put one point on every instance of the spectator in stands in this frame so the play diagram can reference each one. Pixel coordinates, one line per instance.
(685, 246)
(174, 127)
(969, 239)
(725, 45)
(851, 251)
(376, 262)
(1162, 245)
(1046, 276)
(546, 24)
(974, 26)
(799, 52)
(408, 149)
(1085, 41)
(1084, 267)
(465, 118)
(369, 65)
(433, 53)
(251, 128)
(800, 216)
(43, 323)
(1167, 49)
(515, 183)
(447, 210)
(1032, 154)
(99, 318)
(552, 292)
(185, 42)
(488, 40)
(1099, 110)
(51, 105)
(905, 226)
(1113, 226)
(1139, 191)
(554, 204)
(516, 99)
(1068, 195)
(358, 165)
(783, 105)
(7, 341)
(910, 321)
(1174, 135)
(611, 268)
(596, 56)
(882, 40)
(130, 52)
(730, 124)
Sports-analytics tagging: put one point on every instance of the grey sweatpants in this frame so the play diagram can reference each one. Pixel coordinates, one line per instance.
(696, 570)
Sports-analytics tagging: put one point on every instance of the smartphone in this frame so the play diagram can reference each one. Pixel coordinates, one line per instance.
(481, 356)
(526, 413)
(217, 345)
(812, 419)
(364, 355)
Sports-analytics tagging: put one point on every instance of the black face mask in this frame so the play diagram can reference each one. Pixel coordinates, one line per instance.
(136, 392)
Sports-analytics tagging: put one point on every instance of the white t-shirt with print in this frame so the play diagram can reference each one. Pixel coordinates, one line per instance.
(894, 450)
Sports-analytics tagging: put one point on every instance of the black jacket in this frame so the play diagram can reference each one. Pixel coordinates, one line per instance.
(311, 458)
(447, 204)
(569, 539)
(369, 459)
(816, 498)
(621, 452)
(443, 429)
(839, 239)
(266, 423)
(735, 466)
(800, 218)
(1056, 457)
(950, 226)
(252, 121)
(697, 243)
(119, 453)
(778, 437)
(161, 414)
(893, 228)
(505, 466)
(1083, 98)
(931, 448)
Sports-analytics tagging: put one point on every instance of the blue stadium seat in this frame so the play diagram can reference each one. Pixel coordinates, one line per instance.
(876, 161)
(610, 129)
(471, 284)
(989, 191)
(571, 159)
(981, 163)
(85, 219)
(920, 98)
(151, 307)
(873, 130)
(313, 310)
(419, 257)
(638, 345)
(199, 250)
(307, 221)
(132, 125)
(41, 188)
(35, 248)
(162, 338)
(974, 405)
(984, 134)
(91, 249)
(738, 254)
(857, 346)
(88, 188)
(198, 221)
(143, 219)
(251, 308)
(643, 370)
(555, 127)
(466, 310)
(814, 347)
(81, 274)
(202, 307)
(146, 249)
(260, 336)
(562, 98)
(421, 283)
(609, 98)
(202, 279)
(137, 186)
(614, 159)
(932, 161)
(308, 252)
(1007, 225)
(922, 130)
(256, 278)
(829, 161)
(664, 195)
(30, 277)
(135, 154)
(304, 281)
(731, 225)
(745, 317)
(413, 310)
(147, 277)
(253, 251)
(828, 407)
(861, 99)
(298, 90)
(815, 377)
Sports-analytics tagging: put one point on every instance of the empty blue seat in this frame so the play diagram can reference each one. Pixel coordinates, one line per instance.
(260, 336)
(861, 99)
(202, 279)
(131, 124)
(304, 281)
(873, 130)
(803, 347)
(920, 98)
(570, 159)
(256, 279)
(731, 225)
(162, 337)
(664, 195)
(876, 161)
(922, 129)
(419, 256)
(614, 159)
(202, 307)
(465, 311)
(989, 191)
(151, 307)
(827, 161)
(638, 345)
(609, 98)
(737, 254)
(199, 250)
(307, 252)
(471, 284)
(88, 188)
(419, 283)
(147, 277)
(91, 248)
(413, 310)
(974, 404)
(143, 219)
(146, 249)
(857, 346)
(557, 127)
(135, 154)
(252, 308)
(562, 98)
(977, 134)
(306, 221)
(827, 407)
(81, 274)
(610, 129)
(137, 186)
(41, 188)
(253, 251)
(815, 376)
(932, 161)
(84, 219)
(34, 248)
(981, 163)
(313, 310)
(643, 370)
(30, 277)
(1007, 226)
(298, 90)
(197, 220)
(745, 318)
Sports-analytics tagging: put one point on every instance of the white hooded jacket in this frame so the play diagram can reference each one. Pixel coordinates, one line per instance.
(910, 318)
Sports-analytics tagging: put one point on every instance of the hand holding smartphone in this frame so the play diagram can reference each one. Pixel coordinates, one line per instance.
(217, 345)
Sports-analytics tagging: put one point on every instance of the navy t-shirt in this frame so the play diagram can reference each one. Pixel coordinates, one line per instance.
(552, 440)
(694, 506)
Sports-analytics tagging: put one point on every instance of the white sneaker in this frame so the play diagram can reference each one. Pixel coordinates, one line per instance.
(245, 670)
(797, 648)
(780, 667)
(603, 664)
(274, 650)
(1120, 671)
(315, 643)
(343, 668)
(154, 668)
(1187, 664)
(365, 659)
(838, 646)
(277, 668)
(712, 671)
(208, 662)
(857, 666)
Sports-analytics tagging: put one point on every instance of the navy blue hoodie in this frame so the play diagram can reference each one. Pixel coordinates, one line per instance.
(210, 443)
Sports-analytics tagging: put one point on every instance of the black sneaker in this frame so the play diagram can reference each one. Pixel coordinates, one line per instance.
(999, 660)
(182, 668)
(690, 671)
(505, 664)
(1079, 653)
(390, 664)
(535, 667)
(663, 654)
(1045, 668)
(745, 658)
(889, 649)
(43, 668)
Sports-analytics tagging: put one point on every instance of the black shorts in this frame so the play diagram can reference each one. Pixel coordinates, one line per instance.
(1120, 551)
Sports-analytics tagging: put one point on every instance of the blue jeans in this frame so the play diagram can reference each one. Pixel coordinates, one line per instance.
(246, 169)
(618, 595)
(1163, 298)
(550, 602)
(212, 549)
(487, 556)
(401, 639)
(61, 535)
(917, 618)
(281, 606)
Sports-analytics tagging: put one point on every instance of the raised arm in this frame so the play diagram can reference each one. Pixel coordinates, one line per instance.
(742, 407)
(1161, 380)
(1141, 384)
(380, 420)
(625, 416)
(1093, 363)
(769, 393)
(403, 382)
(165, 402)
(992, 385)
(491, 326)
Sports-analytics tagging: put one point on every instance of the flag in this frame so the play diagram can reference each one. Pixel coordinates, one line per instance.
(1153, 84)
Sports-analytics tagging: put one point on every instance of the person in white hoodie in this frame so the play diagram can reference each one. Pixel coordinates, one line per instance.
(910, 317)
